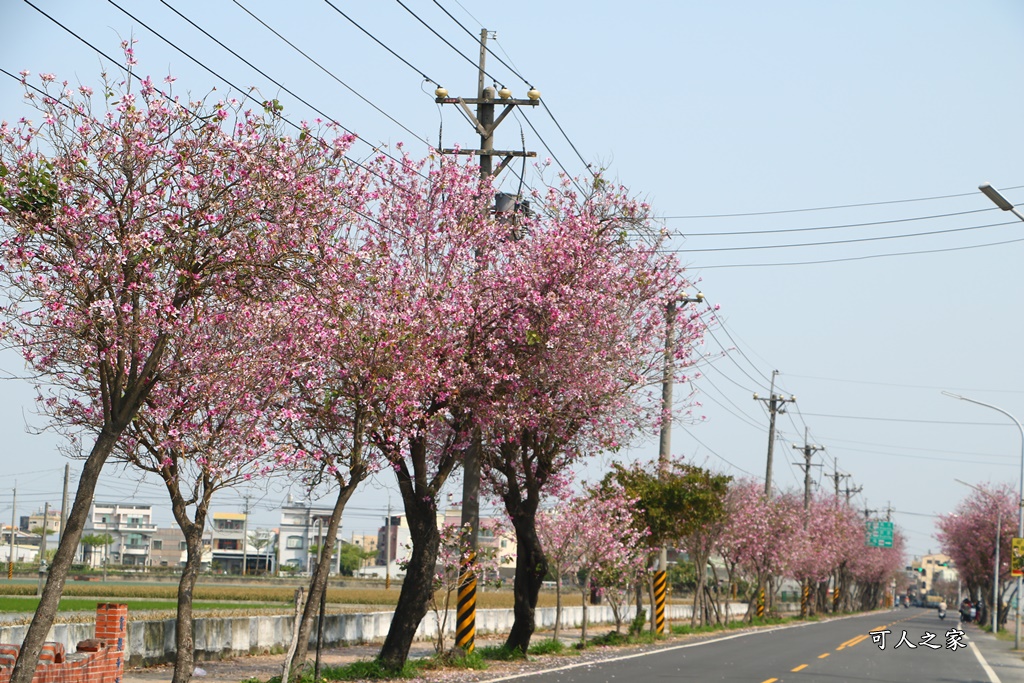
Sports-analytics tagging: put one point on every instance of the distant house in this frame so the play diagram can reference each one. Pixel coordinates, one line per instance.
(25, 547)
(302, 531)
(130, 526)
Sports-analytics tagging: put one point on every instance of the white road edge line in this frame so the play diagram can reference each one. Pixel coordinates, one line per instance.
(992, 677)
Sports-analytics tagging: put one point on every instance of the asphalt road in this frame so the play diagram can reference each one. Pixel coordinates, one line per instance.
(831, 651)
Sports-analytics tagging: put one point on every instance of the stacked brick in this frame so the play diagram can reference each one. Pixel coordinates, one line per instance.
(96, 660)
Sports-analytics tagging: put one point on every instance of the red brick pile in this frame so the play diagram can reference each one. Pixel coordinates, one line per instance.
(96, 660)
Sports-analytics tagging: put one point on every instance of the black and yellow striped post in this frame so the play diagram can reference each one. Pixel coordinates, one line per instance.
(660, 586)
(837, 597)
(465, 625)
(760, 602)
(805, 599)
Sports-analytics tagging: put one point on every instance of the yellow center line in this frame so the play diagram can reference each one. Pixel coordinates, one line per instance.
(770, 680)
(802, 666)
(824, 655)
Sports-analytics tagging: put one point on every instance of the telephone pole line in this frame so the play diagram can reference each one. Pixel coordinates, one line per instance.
(809, 450)
(836, 477)
(64, 500)
(485, 123)
(14, 513)
(851, 491)
(776, 404)
(245, 536)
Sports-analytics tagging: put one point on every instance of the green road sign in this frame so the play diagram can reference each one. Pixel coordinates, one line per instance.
(878, 534)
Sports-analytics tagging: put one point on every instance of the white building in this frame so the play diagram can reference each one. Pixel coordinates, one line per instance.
(130, 527)
(25, 547)
(302, 532)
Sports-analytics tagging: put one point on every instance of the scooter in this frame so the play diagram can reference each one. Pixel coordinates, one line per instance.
(942, 614)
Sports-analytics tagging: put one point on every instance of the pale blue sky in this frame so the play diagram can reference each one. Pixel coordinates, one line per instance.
(702, 108)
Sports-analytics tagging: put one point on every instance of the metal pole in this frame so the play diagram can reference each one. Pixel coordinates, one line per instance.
(1020, 502)
(14, 512)
(995, 573)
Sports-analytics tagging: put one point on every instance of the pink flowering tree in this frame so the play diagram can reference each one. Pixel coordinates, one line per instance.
(968, 536)
(828, 531)
(451, 553)
(206, 427)
(121, 216)
(558, 530)
(420, 254)
(613, 549)
(759, 536)
(574, 333)
(873, 569)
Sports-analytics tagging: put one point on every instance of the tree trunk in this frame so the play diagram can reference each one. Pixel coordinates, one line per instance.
(700, 565)
(46, 612)
(558, 604)
(417, 586)
(184, 642)
(531, 568)
(318, 582)
(585, 590)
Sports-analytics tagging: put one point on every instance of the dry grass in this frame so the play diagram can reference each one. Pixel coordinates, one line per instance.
(342, 599)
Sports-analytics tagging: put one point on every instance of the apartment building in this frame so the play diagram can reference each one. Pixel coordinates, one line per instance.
(130, 528)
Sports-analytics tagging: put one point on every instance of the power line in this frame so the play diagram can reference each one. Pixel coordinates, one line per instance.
(835, 242)
(902, 419)
(860, 258)
(378, 41)
(826, 227)
(329, 73)
(446, 42)
(714, 453)
(834, 206)
(471, 35)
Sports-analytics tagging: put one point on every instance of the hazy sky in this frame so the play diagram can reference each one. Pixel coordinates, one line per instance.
(858, 130)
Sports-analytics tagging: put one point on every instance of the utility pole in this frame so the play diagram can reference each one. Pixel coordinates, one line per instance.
(851, 491)
(665, 440)
(64, 500)
(387, 548)
(836, 477)
(42, 551)
(776, 405)
(485, 123)
(14, 513)
(245, 536)
(667, 393)
(808, 450)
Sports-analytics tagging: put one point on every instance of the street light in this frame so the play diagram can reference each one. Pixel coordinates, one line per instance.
(999, 200)
(1020, 502)
(999, 539)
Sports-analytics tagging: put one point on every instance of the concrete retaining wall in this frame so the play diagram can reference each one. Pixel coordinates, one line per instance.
(150, 642)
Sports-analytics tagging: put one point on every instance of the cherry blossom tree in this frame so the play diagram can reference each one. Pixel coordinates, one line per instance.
(558, 531)
(574, 335)
(422, 252)
(611, 545)
(968, 536)
(760, 534)
(873, 569)
(829, 531)
(119, 220)
(205, 427)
